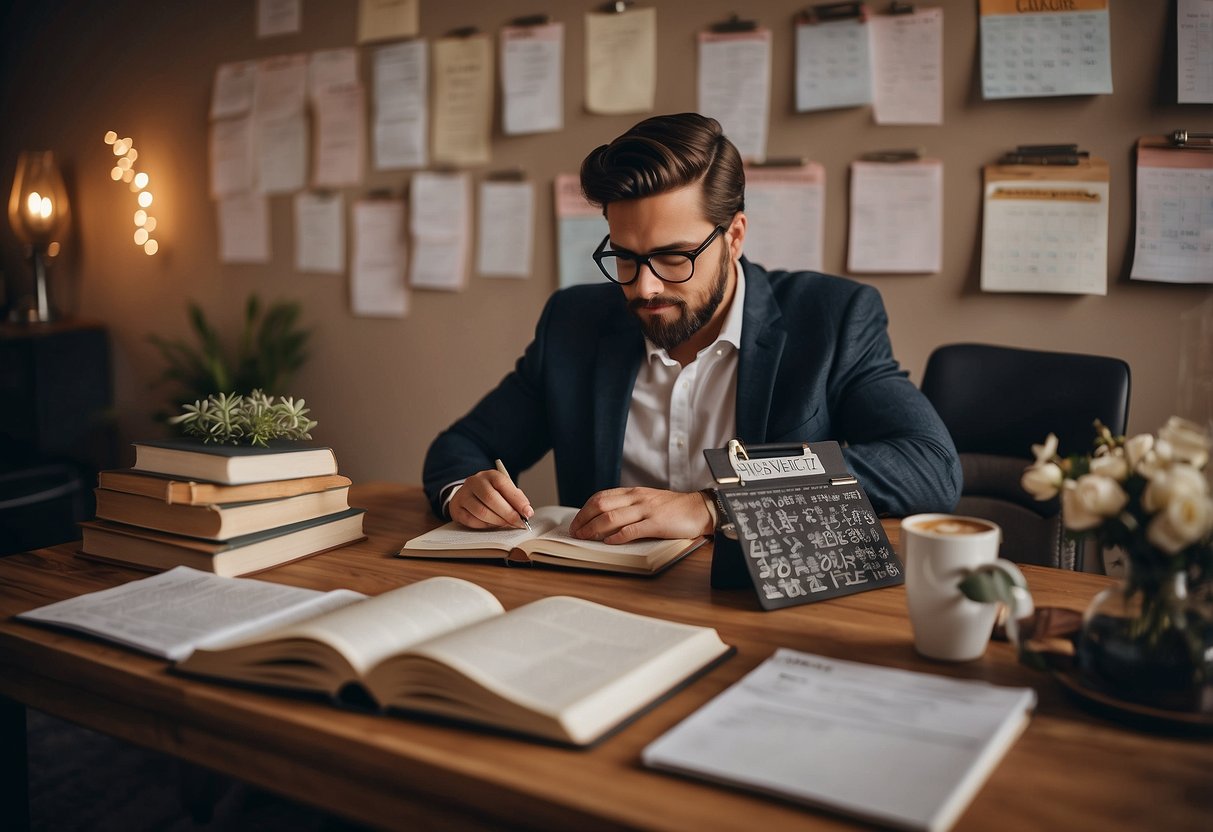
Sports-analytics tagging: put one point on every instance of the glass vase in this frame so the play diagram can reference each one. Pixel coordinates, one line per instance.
(1151, 644)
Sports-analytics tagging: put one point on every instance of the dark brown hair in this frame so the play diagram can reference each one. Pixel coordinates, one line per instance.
(663, 153)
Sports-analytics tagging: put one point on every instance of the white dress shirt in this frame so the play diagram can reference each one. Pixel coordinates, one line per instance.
(678, 411)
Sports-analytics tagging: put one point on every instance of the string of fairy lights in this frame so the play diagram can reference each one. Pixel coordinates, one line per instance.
(124, 171)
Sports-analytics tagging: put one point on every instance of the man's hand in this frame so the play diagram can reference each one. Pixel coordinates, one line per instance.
(619, 515)
(489, 500)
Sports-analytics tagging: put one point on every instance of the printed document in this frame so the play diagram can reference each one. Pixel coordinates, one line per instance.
(532, 73)
(319, 232)
(506, 229)
(440, 218)
(1043, 49)
(896, 217)
(580, 228)
(1174, 242)
(463, 100)
(244, 228)
(621, 61)
(907, 67)
(377, 286)
(1194, 64)
(735, 86)
(785, 207)
(833, 65)
(401, 124)
(387, 19)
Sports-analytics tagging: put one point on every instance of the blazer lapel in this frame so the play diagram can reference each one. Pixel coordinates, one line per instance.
(762, 340)
(618, 363)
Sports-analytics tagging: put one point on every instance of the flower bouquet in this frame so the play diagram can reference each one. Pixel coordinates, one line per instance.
(1149, 640)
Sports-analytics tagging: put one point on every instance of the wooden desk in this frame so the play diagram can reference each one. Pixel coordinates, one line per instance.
(1069, 770)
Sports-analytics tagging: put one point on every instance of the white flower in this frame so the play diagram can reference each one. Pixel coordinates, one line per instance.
(1046, 452)
(1174, 482)
(1087, 501)
(1184, 441)
(1137, 447)
(1111, 465)
(1042, 480)
(1187, 518)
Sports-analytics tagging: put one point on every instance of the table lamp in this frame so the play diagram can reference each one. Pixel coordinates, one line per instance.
(38, 212)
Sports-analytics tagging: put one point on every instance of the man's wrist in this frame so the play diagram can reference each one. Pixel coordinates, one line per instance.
(709, 500)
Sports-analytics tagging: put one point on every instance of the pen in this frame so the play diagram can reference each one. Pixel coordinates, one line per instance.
(501, 468)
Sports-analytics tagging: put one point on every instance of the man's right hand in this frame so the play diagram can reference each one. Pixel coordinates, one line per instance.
(489, 500)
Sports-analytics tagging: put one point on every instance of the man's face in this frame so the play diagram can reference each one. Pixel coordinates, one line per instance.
(670, 313)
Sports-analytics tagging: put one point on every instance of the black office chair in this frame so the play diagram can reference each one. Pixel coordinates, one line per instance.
(999, 401)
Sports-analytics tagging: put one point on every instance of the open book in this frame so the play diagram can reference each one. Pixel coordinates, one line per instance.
(562, 669)
(903, 749)
(549, 541)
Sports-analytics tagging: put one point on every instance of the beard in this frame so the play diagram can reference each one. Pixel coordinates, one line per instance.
(667, 336)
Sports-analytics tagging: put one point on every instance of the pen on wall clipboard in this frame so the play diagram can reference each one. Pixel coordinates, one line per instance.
(501, 467)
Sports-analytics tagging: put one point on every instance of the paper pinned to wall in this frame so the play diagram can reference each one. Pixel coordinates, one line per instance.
(580, 227)
(896, 221)
(1194, 54)
(785, 209)
(1174, 241)
(506, 229)
(377, 284)
(233, 92)
(331, 68)
(279, 123)
(278, 17)
(1045, 228)
(833, 64)
(621, 61)
(231, 156)
(1044, 49)
(319, 232)
(463, 100)
(340, 136)
(387, 19)
(907, 67)
(735, 86)
(244, 228)
(532, 73)
(401, 74)
(440, 219)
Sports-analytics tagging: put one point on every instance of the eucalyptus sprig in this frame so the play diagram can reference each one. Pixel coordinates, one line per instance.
(232, 419)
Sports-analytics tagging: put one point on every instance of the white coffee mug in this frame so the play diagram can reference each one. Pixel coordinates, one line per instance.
(940, 550)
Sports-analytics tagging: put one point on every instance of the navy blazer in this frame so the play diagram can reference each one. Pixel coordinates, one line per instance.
(815, 364)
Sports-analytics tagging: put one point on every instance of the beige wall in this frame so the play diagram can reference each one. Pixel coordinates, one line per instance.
(382, 388)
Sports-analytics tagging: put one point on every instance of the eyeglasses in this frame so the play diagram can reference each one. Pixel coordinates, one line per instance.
(623, 267)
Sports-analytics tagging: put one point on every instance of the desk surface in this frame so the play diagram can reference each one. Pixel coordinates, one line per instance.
(1069, 770)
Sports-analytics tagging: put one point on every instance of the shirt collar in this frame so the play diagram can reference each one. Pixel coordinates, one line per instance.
(730, 332)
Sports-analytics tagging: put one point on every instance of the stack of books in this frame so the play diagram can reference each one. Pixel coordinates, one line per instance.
(227, 509)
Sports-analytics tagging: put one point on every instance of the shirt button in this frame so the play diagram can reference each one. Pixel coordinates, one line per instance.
(720, 350)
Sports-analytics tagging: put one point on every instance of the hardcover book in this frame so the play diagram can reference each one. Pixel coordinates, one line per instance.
(194, 493)
(233, 464)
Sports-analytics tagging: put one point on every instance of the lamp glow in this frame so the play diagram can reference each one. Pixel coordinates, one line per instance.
(132, 154)
(111, 137)
(151, 246)
(140, 236)
(140, 217)
(34, 202)
(141, 179)
(145, 199)
(150, 225)
(120, 147)
(116, 173)
(128, 175)
(124, 171)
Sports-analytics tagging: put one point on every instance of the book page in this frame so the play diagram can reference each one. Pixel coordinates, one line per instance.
(902, 748)
(456, 536)
(170, 614)
(386, 624)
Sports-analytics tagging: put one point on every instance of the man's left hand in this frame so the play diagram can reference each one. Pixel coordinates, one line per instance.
(620, 515)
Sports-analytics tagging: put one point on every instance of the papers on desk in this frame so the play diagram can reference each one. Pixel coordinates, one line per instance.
(907, 67)
(735, 86)
(1045, 228)
(1174, 241)
(1043, 49)
(621, 61)
(580, 228)
(785, 207)
(896, 217)
(900, 748)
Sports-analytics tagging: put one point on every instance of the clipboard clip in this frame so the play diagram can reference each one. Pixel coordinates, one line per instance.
(616, 7)
(734, 24)
(529, 20)
(794, 459)
(829, 12)
(907, 154)
(463, 32)
(1044, 154)
(507, 175)
(900, 8)
(1186, 138)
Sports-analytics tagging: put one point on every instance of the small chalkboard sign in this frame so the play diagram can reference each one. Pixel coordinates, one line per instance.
(798, 526)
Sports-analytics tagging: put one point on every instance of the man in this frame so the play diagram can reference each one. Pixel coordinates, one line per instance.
(688, 345)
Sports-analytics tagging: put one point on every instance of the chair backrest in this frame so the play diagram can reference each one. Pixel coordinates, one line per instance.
(1002, 400)
(996, 403)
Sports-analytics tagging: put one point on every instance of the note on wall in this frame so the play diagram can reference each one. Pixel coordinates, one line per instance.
(278, 17)
(506, 229)
(340, 115)
(377, 286)
(331, 68)
(440, 221)
(784, 207)
(907, 67)
(896, 217)
(580, 228)
(231, 156)
(833, 65)
(279, 125)
(1045, 228)
(401, 128)
(233, 93)
(1043, 49)
(621, 61)
(735, 86)
(532, 73)
(387, 19)
(244, 228)
(1194, 55)
(1174, 241)
(463, 100)
(319, 232)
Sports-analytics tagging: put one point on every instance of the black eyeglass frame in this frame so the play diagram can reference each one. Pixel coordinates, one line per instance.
(600, 254)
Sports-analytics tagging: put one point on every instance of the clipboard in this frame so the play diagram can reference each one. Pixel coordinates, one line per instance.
(796, 525)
